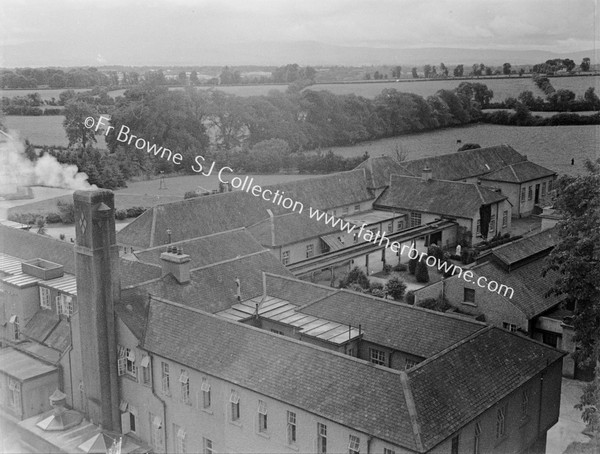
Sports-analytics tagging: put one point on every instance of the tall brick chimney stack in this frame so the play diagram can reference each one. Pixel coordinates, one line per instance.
(98, 287)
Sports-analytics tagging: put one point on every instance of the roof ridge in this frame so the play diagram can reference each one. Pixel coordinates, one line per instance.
(464, 340)
(153, 226)
(231, 259)
(192, 239)
(412, 410)
(513, 171)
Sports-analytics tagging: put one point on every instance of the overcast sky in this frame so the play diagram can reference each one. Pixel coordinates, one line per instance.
(104, 31)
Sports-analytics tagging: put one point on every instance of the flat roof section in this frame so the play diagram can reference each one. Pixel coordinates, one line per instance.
(21, 366)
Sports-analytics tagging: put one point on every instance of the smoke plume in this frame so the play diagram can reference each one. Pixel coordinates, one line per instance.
(16, 170)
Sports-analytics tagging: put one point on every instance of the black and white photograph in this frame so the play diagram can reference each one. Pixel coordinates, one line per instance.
(300, 227)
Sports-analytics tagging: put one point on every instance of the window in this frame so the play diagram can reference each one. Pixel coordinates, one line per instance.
(549, 185)
(409, 363)
(262, 416)
(205, 388)
(146, 375)
(276, 331)
(45, 298)
(310, 250)
(291, 427)
(285, 257)
(501, 422)
(128, 417)
(390, 227)
(522, 195)
(165, 380)
(207, 446)
(492, 226)
(130, 368)
(64, 305)
(505, 218)
(509, 327)
(525, 404)
(345, 211)
(388, 451)
(377, 357)
(469, 295)
(477, 438)
(478, 231)
(179, 436)
(543, 188)
(355, 238)
(184, 381)
(234, 398)
(156, 432)
(321, 438)
(350, 351)
(454, 447)
(400, 225)
(121, 360)
(356, 207)
(415, 219)
(14, 393)
(354, 445)
(530, 193)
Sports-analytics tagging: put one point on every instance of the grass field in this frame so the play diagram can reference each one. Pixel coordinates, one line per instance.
(502, 88)
(238, 90)
(46, 94)
(42, 130)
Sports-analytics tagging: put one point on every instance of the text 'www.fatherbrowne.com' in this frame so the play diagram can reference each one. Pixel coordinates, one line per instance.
(246, 184)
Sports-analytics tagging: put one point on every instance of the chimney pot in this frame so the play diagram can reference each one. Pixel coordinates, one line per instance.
(177, 264)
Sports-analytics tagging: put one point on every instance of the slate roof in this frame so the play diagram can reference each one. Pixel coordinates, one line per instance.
(201, 216)
(512, 253)
(448, 198)
(452, 388)
(133, 272)
(289, 228)
(465, 164)
(417, 331)
(369, 398)
(208, 249)
(29, 245)
(213, 288)
(328, 191)
(132, 309)
(332, 385)
(379, 169)
(296, 291)
(528, 284)
(193, 218)
(519, 172)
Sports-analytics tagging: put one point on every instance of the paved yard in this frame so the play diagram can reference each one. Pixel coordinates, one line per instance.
(569, 427)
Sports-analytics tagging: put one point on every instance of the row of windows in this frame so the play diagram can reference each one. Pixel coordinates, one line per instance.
(344, 210)
(235, 413)
(380, 357)
(64, 303)
(126, 365)
(545, 187)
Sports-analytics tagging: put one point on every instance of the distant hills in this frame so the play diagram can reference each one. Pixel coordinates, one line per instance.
(265, 53)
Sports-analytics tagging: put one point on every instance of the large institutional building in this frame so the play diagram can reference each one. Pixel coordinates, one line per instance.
(190, 332)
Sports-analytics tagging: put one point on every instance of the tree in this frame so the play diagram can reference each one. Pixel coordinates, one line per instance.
(395, 288)
(368, 76)
(459, 71)
(422, 272)
(397, 72)
(355, 276)
(182, 78)
(194, 78)
(426, 71)
(592, 98)
(444, 69)
(576, 261)
(76, 113)
(412, 265)
(506, 67)
(585, 64)
(414, 73)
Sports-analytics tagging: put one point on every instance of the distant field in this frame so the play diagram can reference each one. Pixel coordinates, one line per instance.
(45, 94)
(238, 90)
(550, 146)
(502, 88)
(42, 130)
